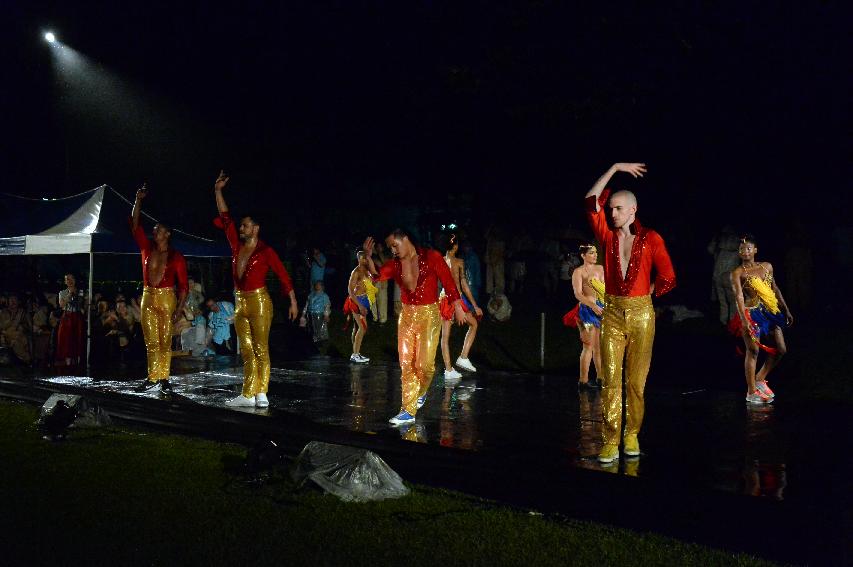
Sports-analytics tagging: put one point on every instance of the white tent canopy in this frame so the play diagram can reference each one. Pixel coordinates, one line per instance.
(93, 222)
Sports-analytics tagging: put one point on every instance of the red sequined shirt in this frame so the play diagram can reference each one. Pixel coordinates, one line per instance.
(262, 260)
(176, 265)
(431, 269)
(648, 251)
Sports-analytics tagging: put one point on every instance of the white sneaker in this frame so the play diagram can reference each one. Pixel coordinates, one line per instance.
(354, 358)
(241, 401)
(421, 401)
(452, 374)
(261, 400)
(465, 364)
(362, 358)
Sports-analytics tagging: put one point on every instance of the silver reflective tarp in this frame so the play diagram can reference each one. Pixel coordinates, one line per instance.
(351, 474)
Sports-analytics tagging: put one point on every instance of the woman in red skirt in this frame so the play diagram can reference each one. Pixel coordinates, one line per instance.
(71, 334)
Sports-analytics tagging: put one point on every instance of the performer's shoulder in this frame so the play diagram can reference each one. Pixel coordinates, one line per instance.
(653, 236)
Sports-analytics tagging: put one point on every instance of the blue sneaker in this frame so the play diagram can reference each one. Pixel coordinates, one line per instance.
(421, 401)
(402, 417)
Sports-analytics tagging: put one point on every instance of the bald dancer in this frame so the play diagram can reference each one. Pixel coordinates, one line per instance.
(631, 252)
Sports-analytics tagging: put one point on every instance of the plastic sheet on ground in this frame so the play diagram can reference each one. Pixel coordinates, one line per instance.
(88, 414)
(351, 474)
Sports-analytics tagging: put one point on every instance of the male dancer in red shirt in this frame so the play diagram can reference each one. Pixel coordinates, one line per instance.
(628, 325)
(250, 262)
(161, 266)
(417, 272)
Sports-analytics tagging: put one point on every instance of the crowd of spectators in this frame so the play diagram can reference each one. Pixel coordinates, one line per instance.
(31, 328)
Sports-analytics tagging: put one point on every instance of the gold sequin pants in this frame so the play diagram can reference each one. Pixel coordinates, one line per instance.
(157, 307)
(418, 333)
(252, 320)
(627, 335)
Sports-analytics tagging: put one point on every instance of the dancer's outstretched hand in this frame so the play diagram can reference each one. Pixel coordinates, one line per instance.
(142, 192)
(635, 169)
(221, 181)
(368, 245)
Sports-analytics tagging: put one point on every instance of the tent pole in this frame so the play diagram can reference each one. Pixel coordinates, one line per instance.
(89, 310)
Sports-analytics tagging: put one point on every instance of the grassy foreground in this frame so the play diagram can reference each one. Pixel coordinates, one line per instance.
(123, 496)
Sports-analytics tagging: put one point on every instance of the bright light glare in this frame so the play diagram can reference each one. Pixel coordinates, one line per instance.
(50, 37)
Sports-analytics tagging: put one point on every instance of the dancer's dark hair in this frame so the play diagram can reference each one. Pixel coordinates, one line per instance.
(585, 248)
(748, 237)
(400, 232)
(447, 241)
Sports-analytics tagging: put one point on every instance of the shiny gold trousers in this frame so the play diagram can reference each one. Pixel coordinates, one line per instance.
(252, 320)
(418, 333)
(627, 334)
(158, 306)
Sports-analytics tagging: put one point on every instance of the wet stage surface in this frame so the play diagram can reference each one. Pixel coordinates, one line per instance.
(695, 440)
(707, 438)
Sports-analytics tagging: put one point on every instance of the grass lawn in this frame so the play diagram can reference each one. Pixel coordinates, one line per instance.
(124, 496)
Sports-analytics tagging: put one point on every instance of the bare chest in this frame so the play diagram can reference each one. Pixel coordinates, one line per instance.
(626, 243)
(243, 257)
(409, 273)
(157, 266)
(359, 276)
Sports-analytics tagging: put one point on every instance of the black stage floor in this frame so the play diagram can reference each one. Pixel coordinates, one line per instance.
(712, 469)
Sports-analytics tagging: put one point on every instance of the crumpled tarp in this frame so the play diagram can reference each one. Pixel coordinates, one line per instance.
(88, 415)
(351, 474)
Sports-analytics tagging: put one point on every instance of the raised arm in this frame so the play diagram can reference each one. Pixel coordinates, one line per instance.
(218, 186)
(224, 220)
(135, 228)
(137, 207)
(368, 245)
(635, 169)
(141, 193)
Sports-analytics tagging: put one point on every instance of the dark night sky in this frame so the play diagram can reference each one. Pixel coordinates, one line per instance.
(736, 108)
